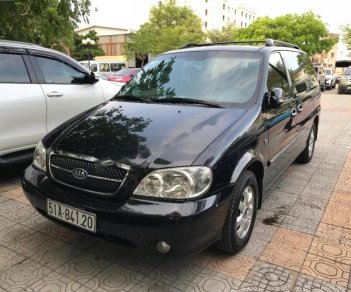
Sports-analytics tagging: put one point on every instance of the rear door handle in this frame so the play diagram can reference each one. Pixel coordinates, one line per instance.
(293, 112)
(54, 94)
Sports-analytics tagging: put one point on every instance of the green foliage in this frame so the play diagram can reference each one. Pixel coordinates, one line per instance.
(226, 34)
(83, 52)
(47, 23)
(347, 35)
(305, 30)
(169, 27)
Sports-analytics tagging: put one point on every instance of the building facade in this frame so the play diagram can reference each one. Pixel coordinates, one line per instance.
(217, 14)
(111, 40)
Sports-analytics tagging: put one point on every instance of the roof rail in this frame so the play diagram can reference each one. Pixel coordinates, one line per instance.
(267, 42)
(275, 43)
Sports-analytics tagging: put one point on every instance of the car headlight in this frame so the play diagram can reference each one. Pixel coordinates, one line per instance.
(176, 183)
(39, 159)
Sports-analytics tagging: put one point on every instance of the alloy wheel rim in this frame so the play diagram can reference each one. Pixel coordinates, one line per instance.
(311, 144)
(245, 212)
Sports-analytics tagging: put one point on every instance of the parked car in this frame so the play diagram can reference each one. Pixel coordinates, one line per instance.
(40, 89)
(345, 82)
(330, 78)
(103, 69)
(321, 76)
(123, 76)
(181, 158)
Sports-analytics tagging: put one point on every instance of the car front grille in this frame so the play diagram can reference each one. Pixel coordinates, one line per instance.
(102, 180)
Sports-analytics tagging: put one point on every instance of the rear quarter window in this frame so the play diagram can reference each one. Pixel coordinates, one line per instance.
(13, 69)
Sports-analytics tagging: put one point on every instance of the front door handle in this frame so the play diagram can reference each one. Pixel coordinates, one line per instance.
(299, 108)
(54, 94)
(293, 112)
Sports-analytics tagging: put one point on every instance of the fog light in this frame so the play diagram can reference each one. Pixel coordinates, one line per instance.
(163, 247)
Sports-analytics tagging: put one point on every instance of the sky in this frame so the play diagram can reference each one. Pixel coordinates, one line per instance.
(131, 13)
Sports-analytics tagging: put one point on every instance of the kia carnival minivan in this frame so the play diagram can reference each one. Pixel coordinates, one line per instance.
(180, 158)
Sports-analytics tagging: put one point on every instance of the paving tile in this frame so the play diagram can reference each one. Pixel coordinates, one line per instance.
(293, 239)
(6, 223)
(270, 218)
(54, 282)
(306, 284)
(279, 202)
(83, 268)
(237, 266)
(114, 278)
(284, 256)
(37, 222)
(263, 231)
(254, 247)
(13, 193)
(56, 255)
(21, 275)
(292, 189)
(344, 198)
(14, 236)
(4, 187)
(300, 224)
(172, 270)
(327, 270)
(337, 213)
(9, 258)
(308, 208)
(321, 194)
(334, 234)
(268, 277)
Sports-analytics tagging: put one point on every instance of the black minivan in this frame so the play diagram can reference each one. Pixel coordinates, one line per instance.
(181, 157)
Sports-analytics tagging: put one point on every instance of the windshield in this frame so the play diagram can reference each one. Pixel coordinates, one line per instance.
(328, 71)
(347, 71)
(124, 72)
(225, 77)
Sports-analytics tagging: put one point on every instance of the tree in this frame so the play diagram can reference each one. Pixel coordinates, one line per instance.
(83, 52)
(226, 34)
(47, 23)
(347, 35)
(169, 27)
(305, 30)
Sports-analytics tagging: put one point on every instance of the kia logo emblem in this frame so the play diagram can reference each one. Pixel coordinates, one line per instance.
(79, 173)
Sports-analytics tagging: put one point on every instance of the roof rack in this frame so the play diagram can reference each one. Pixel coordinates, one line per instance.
(267, 42)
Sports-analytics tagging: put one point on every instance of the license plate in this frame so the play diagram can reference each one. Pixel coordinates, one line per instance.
(73, 216)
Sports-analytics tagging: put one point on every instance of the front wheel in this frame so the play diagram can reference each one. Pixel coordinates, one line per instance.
(241, 215)
(307, 154)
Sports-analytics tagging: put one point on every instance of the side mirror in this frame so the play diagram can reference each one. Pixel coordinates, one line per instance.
(93, 78)
(277, 95)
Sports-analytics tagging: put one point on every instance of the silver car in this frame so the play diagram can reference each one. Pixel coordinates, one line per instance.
(321, 76)
(345, 82)
(330, 78)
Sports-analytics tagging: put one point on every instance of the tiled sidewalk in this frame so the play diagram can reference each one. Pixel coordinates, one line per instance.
(301, 240)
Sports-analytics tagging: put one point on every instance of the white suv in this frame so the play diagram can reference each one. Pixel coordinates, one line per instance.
(39, 90)
(330, 78)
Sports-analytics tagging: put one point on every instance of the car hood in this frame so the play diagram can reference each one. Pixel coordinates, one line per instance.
(148, 135)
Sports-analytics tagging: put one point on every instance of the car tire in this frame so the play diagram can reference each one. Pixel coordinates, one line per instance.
(323, 87)
(307, 154)
(243, 207)
(339, 90)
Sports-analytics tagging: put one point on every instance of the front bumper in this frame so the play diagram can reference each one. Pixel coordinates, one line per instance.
(189, 227)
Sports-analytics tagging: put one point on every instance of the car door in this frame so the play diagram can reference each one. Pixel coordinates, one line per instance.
(280, 119)
(306, 90)
(22, 103)
(68, 89)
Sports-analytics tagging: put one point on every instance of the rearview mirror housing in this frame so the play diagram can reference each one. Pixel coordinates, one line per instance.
(277, 95)
(93, 77)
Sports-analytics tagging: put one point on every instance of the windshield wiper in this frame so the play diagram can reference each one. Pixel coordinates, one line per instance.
(187, 100)
(130, 97)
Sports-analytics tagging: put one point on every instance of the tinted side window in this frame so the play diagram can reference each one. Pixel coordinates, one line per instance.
(13, 69)
(277, 76)
(301, 70)
(56, 72)
(104, 67)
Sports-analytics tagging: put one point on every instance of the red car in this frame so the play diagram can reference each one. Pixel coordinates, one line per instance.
(123, 76)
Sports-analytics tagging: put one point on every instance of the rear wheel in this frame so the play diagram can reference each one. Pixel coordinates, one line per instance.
(241, 215)
(307, 154)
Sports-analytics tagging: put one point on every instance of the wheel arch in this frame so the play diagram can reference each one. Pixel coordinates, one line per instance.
(251, 161)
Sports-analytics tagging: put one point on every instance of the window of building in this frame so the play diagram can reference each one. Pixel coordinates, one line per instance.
(234, 22)
(242, 13)
(223, 6)
(206, 12)
(332, 55)
(245, 15)
(245, 24)
(223, 17)
(205, 24)
(241, 24)
(235, 11)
